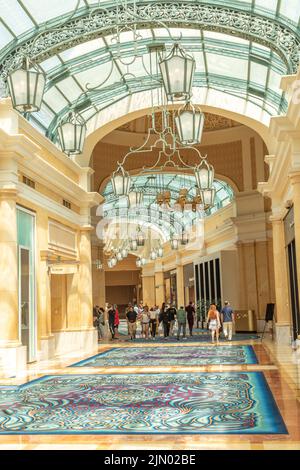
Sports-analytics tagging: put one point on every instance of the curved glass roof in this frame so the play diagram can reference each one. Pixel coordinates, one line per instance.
(150, 212)
(80, 47)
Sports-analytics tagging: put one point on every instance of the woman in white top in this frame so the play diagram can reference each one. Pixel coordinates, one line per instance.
(145, 320)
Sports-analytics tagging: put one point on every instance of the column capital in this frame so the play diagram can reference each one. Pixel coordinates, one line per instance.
(9, 193)
(294, 177)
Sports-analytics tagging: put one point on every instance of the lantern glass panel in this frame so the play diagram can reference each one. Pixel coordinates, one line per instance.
(26, 90)
(189, 126)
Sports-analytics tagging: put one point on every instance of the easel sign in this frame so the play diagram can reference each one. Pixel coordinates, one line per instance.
(269, 317)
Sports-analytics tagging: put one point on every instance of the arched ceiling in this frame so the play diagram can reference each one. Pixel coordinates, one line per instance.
(241, 48)
(150, 212)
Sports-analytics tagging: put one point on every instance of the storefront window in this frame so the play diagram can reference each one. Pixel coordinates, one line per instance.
(27, 283)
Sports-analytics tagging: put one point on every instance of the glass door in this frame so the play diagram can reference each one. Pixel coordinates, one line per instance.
(24, 296)
(27, 282)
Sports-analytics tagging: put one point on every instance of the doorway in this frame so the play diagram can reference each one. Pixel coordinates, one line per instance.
(27, 282)
(294, 295)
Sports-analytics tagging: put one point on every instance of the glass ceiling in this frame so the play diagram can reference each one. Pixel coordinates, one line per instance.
(231, 63)
(150, 212)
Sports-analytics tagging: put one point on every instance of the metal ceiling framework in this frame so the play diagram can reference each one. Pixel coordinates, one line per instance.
(242, 48)
(115, 207)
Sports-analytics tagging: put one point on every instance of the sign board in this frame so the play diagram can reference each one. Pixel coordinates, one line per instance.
(63, 269)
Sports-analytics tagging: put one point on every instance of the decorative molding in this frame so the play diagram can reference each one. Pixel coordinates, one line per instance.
(213, 122)
(104, 21)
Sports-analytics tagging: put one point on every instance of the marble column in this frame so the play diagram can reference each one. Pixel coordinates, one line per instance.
(12, 354)
(180, 286)
(45, 336)
(85, 282)
(148, 290)
(283, 311)
(159, 286)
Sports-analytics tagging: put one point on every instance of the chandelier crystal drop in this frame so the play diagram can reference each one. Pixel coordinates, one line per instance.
(121, 181)
(189, 124)
(26, 87)
(177, 70)
(71, 132)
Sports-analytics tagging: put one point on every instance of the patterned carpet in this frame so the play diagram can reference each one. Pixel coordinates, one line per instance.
(198, 403)
(175, 355)
(197, 338)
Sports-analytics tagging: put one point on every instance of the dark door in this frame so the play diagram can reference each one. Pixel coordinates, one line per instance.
(294, 288)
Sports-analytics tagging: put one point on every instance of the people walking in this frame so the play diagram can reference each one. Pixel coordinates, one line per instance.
(190, 313)
(213, 318)
(165, 316)
(172, 316)
(154, 312)
(228, 319)
(111, 320)
(145, 320)
(131, 317)
(101, 324)
(181, 322)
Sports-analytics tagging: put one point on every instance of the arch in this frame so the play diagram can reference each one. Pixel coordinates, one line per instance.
(139, 104)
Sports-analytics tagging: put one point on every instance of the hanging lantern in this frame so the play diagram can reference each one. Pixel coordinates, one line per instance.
(140, 237)
(119, 256)
(27, 87)
(120, 181)
(124, 252)
(177, 71)
(135, 198)
(189, 124)
(98, 264)
(138, 263)
(133, 245)
(160, 252)
(208, 197)
(71, 132)
(174, 243)
(184, 238)
(204, 174)
(153, 255)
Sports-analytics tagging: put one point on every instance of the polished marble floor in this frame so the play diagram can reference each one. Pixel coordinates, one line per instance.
(267, 391)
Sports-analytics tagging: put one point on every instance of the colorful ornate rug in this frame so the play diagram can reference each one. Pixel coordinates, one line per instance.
(198, 403)
(172, 356)
(197, 338)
